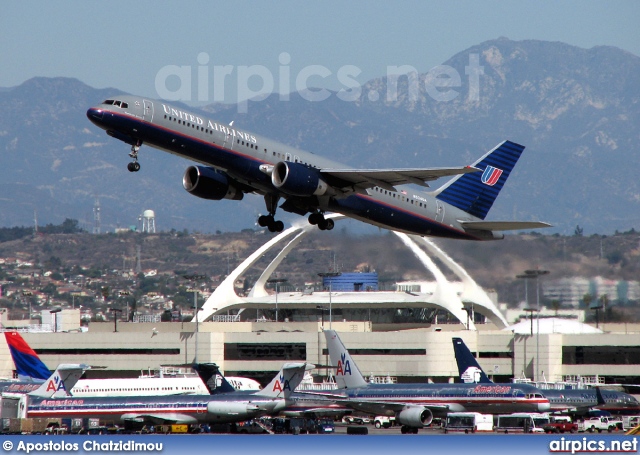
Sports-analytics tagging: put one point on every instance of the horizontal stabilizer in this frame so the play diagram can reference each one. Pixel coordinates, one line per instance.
(503, 225)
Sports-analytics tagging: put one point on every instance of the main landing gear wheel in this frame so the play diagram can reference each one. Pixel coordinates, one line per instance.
(271, 224)
(319, 219)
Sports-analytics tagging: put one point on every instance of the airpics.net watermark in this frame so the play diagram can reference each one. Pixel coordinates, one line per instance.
(257, 82)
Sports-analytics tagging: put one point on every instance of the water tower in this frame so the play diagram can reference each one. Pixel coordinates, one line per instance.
(149, 221)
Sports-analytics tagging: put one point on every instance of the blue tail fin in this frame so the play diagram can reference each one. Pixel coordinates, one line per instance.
(28, 364)
(475, 192)
(468, 366)
(209, 373)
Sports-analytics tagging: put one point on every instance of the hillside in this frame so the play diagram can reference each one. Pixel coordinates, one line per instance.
(559, 100)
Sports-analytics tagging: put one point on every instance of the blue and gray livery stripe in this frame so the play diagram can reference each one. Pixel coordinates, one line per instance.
(468, 193)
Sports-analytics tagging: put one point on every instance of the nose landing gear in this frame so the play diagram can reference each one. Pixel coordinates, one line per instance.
(134, 166)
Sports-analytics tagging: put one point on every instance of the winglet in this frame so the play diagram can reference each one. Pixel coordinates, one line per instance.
(61, 381)
(347, 374)
(28, 364)
(468, 367)
(286, 381)
(209, 373)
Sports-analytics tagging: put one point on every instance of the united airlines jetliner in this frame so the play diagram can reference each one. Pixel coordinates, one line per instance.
(234, 162)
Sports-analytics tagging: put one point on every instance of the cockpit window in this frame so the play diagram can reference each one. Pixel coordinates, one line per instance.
(117, 103)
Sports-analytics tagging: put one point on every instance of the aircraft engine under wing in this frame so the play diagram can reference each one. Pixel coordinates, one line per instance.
(415, 416)
(502, 225)
(361, 179)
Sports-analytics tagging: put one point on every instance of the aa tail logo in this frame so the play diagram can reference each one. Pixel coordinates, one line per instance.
(344, 366)
(281, 385)
(491, 175)
(56, 384)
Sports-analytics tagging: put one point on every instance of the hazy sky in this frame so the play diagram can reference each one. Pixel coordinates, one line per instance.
(131, 45)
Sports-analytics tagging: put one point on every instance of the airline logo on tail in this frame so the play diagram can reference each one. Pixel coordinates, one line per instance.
(281, 385)
(471, 375)
(344, 366)
(491, 175)
(55, 384)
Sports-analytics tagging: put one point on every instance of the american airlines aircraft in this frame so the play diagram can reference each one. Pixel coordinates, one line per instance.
(234, 162)
(132, 411)
(414, 405)
(33, 371)
(578, 402)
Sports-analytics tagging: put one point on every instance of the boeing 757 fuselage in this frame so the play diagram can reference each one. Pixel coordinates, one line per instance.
(234, 162)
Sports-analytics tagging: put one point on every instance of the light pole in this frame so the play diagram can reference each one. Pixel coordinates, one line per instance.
(26, 294)
(194, 278)
(115, 312)
(54, 315)
(329, 275)
(535, 274)
(276, 281)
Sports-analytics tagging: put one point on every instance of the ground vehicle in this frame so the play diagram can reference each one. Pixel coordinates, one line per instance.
(629, 422)
(357, 420)
(599, 424)
(469, 422)
(250, 427)
(384, 421)
(16, 425)
(560, 424)
(325, 426)
(521, 422)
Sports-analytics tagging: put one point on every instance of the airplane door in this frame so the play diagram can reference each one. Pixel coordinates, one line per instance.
(439, 211)
(147, 113)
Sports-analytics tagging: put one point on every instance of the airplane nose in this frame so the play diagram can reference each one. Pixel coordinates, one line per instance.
(544, 407)
(94, 114)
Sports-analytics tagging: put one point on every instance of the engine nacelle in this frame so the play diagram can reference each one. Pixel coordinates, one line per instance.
(208, 183)
(298, 180)
(222, 411)
(416, 417)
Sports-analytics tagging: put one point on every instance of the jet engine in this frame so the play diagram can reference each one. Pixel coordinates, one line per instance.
(298, 179)
(209, 183)
(233, 411)
(416, 417)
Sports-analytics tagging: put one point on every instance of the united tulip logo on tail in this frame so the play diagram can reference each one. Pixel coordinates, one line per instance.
(491, 175)
(344, 367)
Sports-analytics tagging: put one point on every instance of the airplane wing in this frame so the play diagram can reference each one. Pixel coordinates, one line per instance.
(160, 419)
(503, 225)
(361, 179)
(382, 407)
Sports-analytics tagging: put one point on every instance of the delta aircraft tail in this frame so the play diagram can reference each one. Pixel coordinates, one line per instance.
(286, 381)
(28, 364)
(347, 374)
(468, 367)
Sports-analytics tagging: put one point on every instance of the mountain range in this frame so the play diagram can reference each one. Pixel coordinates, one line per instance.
(576, 110)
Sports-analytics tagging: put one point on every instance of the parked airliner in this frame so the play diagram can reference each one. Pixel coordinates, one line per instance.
(32, 371)
(578, 402)
(414, 404)
(235, 162)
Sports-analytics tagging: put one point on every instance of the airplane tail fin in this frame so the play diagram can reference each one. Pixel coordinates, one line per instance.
(286, 381)
(468, 367)
(347, 375)
(210, 375)
(28, 364)
(475, 192)
(61, 381)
